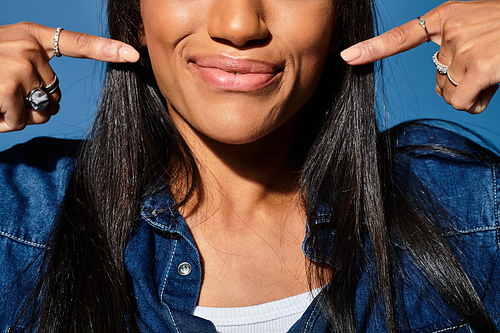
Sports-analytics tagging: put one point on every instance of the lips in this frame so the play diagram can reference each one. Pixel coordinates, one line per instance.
(235, 74)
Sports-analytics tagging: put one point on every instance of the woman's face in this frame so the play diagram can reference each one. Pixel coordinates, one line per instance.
(235, 70)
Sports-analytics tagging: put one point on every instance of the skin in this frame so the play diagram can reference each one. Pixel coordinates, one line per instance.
(26, 48)
(267, 30)
(250, 219)
(469, 39)
(250, 225)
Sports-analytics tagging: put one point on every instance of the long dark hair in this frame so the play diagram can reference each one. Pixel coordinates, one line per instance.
(347, 165)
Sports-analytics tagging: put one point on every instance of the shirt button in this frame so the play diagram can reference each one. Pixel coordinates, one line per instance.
(184, 268)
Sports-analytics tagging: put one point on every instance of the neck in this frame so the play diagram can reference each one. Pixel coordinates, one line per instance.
(244, 179)
(249, 224)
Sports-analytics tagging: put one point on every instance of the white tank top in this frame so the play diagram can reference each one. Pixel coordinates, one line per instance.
(272, 317)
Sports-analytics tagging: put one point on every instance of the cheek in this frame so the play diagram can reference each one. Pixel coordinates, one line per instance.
(167, 26)
(307, 31)
(167, 23)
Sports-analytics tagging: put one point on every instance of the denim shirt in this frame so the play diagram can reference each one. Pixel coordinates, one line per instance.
(164, 263)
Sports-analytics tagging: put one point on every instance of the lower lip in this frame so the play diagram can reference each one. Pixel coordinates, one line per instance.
(231, 82)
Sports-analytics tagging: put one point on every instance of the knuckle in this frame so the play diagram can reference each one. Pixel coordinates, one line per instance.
(484, 68)
(26, 48)
(106, 48)
(83, 41)
(54, 109)
(453, 26)
(43, 118)
(372, 50)
(460, 104)
(18, 126)
(439, 91)
(8, 85)
(449, 7)
(399, 36)
(11, 89)
(447, 96)
(451, 31)
(56, 96)
(29, 27)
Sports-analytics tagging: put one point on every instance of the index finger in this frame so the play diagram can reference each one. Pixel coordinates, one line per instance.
(81, 45)
(394, 41)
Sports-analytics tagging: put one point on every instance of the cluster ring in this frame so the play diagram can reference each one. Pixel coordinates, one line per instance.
(442, 69)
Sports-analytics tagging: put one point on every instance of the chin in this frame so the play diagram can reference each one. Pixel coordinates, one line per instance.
(237, 138)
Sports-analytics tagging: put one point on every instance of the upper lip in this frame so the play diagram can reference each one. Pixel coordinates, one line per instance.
(235, 64)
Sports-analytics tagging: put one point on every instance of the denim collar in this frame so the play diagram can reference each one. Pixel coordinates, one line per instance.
(159, 211)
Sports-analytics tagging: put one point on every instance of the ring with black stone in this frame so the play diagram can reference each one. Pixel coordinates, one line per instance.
(38, 98)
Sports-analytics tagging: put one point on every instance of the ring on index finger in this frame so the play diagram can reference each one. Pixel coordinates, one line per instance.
(421, 21)
(55, 43)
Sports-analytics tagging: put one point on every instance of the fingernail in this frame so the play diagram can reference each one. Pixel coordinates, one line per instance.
(128, 54)
(351, 53)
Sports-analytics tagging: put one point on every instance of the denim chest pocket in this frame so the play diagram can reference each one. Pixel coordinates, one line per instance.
(425, 310)
(461, 328)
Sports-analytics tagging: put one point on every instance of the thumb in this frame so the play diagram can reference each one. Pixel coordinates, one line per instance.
(80, 45)
(394, 41)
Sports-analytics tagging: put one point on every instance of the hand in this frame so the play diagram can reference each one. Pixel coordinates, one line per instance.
(468, 33)
(25, 51)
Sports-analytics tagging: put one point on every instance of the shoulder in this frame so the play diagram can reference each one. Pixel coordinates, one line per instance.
(462, 178)
(459, 174)
(33, 180)
(438, 134)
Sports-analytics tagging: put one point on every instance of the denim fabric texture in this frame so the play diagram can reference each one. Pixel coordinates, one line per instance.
(164, 263)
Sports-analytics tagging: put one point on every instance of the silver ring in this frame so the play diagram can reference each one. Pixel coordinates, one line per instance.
(53, 86)
(453, 82)
(56, 42)
(422, 23)
(442, 69)
(38, 98)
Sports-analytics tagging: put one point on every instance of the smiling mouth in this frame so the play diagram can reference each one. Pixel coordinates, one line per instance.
(232, 74)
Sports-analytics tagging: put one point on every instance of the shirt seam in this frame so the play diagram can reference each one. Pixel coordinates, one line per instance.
(495, 199)
(450, 328)
(468, 231)
(20, 240)
(310, 316)
(164, 286)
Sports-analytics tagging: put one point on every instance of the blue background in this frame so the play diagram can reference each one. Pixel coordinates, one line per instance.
(409, 78)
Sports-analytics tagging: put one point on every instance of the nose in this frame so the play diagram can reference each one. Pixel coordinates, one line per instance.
(237, 22)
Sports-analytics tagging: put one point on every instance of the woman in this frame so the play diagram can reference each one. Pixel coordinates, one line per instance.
(238, 124)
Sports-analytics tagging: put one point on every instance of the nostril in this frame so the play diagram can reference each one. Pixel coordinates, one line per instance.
(239, 24)
(244, 44)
